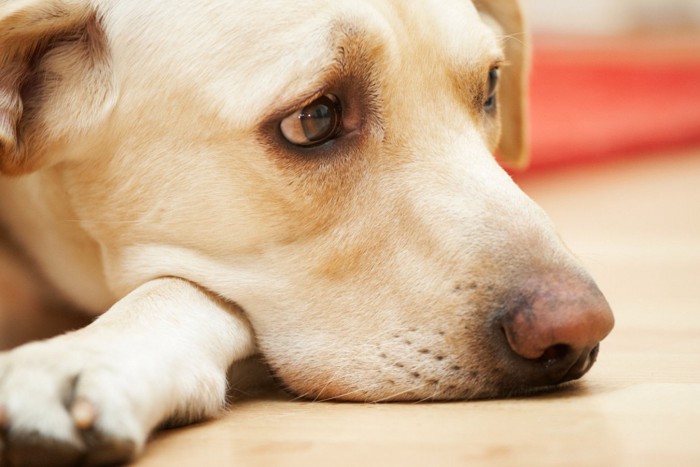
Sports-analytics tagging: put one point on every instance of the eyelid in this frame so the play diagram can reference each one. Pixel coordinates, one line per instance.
(493, 83)
(299, 104)
(325, 80)
(498, 66)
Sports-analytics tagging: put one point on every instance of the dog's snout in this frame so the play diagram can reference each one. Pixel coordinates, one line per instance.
(554, 329)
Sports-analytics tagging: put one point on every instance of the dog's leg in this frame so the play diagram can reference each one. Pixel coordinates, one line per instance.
(94, 395)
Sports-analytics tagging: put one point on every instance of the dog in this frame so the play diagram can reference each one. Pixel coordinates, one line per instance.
(312, 181)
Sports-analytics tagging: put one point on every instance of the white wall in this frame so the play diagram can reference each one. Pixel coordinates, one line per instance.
(610, 16)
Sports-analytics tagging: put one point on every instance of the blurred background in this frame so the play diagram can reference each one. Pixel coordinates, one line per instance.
(613, 78)
(612, 16)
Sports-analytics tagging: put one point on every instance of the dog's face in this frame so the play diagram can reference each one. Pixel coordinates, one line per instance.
(326, 165)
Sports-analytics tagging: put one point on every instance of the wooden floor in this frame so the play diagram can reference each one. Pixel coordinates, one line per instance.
(636, 225)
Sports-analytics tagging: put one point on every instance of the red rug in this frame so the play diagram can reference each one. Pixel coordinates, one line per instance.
(596, 99)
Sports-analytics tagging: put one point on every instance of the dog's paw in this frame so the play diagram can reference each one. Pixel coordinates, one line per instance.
(65, 405)
(93, 396)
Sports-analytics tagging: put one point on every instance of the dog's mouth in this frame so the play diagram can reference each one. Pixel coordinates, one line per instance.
(392, 395)
(550, 373)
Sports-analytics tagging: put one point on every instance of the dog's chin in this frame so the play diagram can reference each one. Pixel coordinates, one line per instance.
(359, 395)
(325, 387)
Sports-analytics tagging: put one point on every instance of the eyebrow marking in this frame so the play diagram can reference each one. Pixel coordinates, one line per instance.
(348, 48)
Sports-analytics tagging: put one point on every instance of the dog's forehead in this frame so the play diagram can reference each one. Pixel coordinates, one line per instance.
(248, 55)
(389, 36)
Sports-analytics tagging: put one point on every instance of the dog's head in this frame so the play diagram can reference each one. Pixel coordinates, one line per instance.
(326, 165)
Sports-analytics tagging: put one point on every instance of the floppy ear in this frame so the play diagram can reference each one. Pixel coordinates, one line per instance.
(54, 79)
(507, 14)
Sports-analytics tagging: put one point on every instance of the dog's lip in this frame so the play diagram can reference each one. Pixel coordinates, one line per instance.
(532, 381)
(573, 371)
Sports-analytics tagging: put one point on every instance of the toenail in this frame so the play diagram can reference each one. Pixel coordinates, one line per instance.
(84, 414)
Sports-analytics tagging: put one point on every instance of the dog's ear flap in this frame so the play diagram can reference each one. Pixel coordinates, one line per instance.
(513, 92)
(53, 79)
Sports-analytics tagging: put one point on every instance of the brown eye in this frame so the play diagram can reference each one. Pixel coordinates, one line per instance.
(315, 124)
(490, 103)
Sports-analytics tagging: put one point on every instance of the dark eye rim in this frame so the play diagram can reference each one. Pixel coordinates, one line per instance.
(335, 131)
(362, 124)
(492, 92)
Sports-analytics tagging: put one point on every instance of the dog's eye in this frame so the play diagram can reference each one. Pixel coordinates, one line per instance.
(315, 124)
(490, 103)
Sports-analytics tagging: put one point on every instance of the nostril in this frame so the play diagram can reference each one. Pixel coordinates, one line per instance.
(554, 354)
(585, 362)
(593, 354)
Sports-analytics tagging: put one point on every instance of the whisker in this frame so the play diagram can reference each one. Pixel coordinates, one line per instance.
(432, 397)
(299, 396)
(515, 36)
(415, 388)
(340, 396)
(328, 383)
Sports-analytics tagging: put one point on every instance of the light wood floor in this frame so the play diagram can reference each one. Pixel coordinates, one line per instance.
(636, 225)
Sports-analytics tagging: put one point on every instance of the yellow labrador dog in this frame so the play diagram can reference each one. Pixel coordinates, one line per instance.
(312, 180)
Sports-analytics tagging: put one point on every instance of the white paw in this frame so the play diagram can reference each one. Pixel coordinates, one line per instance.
(92, 397)
(63, 404)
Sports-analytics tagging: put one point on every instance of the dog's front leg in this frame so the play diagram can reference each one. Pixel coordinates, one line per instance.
(94, 395)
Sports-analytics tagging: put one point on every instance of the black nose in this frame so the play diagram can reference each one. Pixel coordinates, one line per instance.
(553, 329)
